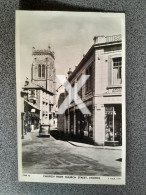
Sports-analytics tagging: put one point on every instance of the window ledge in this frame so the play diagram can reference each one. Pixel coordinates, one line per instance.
(114, 86)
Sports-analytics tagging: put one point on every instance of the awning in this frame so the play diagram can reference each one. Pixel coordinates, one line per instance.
(32, 105)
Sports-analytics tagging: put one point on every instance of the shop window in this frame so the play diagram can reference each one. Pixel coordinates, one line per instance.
(39, 70)
(117, 71)
(113, 123)
(43, 71)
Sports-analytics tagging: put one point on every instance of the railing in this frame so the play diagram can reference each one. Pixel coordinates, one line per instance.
(113, 38)
(107, 39)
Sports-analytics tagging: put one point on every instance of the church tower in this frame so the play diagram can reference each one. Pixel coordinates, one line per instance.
(43, 72)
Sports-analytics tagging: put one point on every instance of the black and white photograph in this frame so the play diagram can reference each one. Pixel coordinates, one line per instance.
(70, 76)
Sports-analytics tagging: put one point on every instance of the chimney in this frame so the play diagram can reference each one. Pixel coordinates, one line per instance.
(99, 39)
(33, 49)
(69, 72)
(49, 47)
(26, 82)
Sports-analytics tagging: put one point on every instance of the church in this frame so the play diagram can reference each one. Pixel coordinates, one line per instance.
(39, 94)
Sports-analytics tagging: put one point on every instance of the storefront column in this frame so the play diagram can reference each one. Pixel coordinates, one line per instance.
(113, 124)
(99, 124)
(74, 121)
(94, 122)
(68, 121)
(41, 106)
(65, 125)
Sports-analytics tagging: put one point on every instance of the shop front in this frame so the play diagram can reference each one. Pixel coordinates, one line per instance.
(31, 117)
(84, 123)
(113, 124)
(71, 121)
(78, 124)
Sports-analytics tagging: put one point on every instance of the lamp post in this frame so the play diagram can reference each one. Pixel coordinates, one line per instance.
(23, 95)
(32, 122)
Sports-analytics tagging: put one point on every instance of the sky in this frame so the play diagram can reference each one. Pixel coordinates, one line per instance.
(70, 35)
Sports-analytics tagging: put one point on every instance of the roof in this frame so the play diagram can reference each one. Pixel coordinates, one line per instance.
(61, 98)
(37, 87)
(89, 53)
(31, 104)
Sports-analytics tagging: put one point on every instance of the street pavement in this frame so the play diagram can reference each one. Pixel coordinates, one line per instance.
(45, 155)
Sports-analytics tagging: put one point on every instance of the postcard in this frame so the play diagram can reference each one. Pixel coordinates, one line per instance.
(71, 113)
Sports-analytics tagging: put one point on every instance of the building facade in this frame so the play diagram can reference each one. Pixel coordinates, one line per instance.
(40, 93)
(61, 117)
(102, 93)
(43, 72)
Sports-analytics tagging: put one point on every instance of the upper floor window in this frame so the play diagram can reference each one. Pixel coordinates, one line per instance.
(117, 70)
(89, 81)
(72, 95)
(32, 92)
(80, 90)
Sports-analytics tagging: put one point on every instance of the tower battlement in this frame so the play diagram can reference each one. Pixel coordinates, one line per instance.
(43, 52)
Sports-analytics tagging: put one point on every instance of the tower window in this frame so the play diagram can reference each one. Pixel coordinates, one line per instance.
(43, 71)
(39, 70)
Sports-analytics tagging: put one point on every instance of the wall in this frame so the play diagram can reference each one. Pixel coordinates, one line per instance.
(61, 117)
(102, 65)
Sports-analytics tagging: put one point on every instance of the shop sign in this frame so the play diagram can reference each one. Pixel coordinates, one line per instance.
(109, 109)
(32, 110)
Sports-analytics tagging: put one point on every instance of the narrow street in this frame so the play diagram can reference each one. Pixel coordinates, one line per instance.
(42, 155)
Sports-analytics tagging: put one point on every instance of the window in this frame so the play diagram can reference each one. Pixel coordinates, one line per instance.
(32, 92)
(50, 108)
(43, 71)
(89, 81)
(72, 95)
(80, 91)
(32, 96)
(117, 70)
(90, 78)
(39, 70)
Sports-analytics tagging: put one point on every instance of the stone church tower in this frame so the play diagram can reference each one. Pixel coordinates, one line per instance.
(43, 72)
